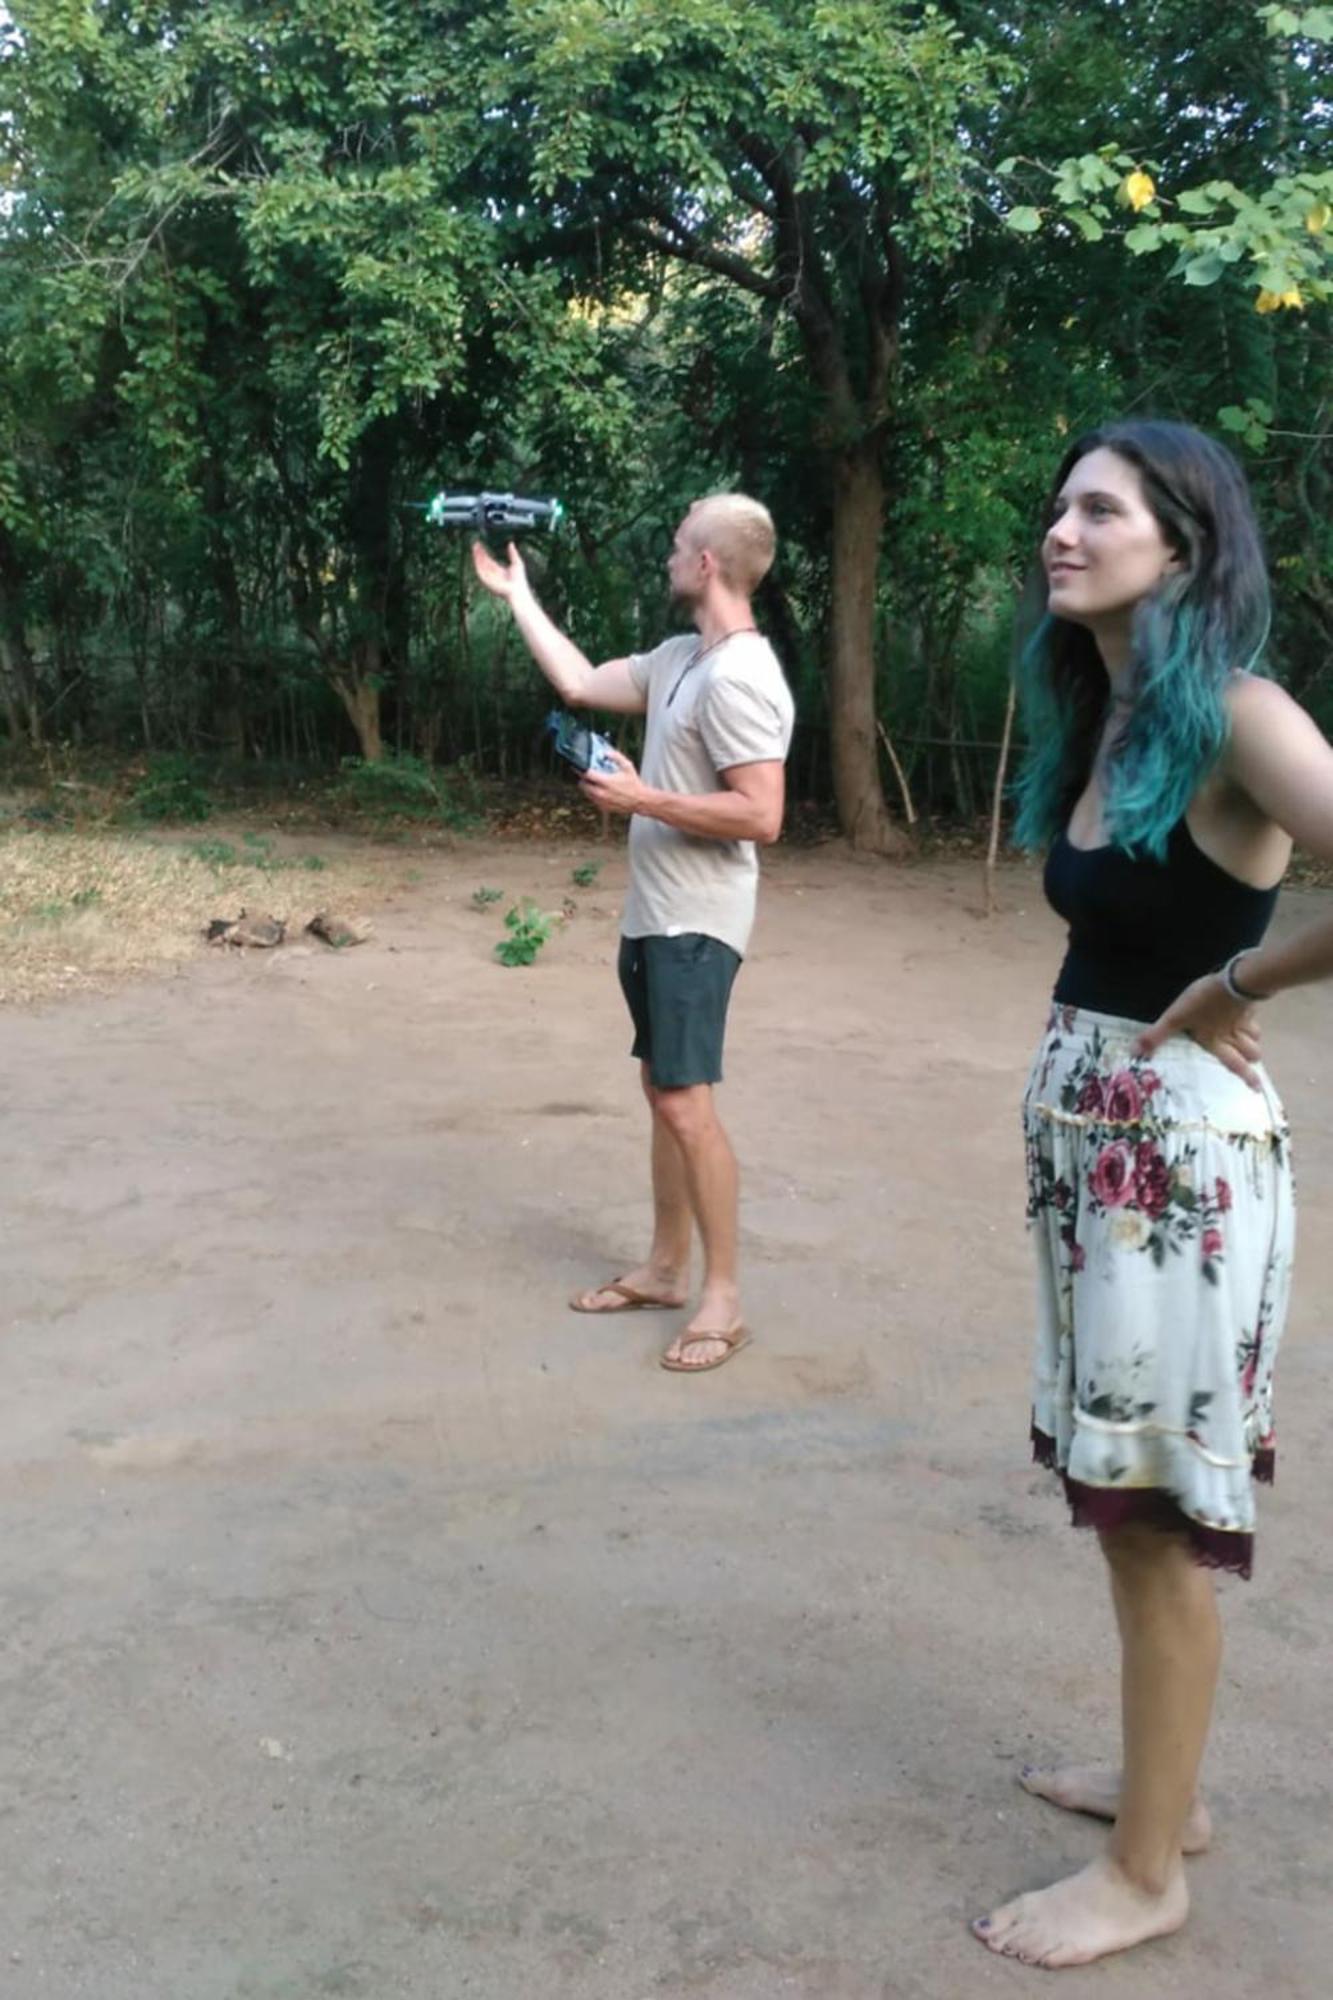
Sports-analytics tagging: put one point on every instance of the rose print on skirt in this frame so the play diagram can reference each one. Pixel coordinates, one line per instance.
(1161, 1211)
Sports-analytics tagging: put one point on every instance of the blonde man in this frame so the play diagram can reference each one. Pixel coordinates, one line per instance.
(719, 724)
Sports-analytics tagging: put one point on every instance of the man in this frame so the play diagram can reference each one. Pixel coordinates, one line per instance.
(719, 727)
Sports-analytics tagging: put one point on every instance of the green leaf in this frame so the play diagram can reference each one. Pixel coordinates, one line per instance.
(1196, 201)
(1087, 222)
(1025, 221)
(1144, 236)
(1007, 166)
(1204, 270)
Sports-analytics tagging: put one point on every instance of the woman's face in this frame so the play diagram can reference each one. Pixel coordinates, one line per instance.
(1104, 550)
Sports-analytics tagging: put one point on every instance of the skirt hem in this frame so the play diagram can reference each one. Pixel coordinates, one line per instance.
(1107, 1508)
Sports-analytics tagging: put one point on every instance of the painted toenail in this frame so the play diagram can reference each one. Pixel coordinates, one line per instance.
(981, 1924)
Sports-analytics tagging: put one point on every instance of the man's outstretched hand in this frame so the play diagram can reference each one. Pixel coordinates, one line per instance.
(1225, 1027)
(502, 579)
(618, 791)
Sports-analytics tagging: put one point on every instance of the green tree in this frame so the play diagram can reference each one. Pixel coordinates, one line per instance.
(811, 155)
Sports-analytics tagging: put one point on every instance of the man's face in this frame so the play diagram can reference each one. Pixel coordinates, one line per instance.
(686, 570)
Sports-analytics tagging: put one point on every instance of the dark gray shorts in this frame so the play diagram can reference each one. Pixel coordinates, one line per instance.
(677, 989)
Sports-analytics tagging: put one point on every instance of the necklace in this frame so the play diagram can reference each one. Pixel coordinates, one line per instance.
(703, 653)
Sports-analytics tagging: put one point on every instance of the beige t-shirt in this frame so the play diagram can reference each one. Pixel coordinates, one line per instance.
(732, 707)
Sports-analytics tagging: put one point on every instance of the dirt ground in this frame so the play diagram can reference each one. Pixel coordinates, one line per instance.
(375, 1626)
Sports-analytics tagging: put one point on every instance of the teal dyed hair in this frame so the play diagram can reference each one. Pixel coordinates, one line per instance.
(1208, 620)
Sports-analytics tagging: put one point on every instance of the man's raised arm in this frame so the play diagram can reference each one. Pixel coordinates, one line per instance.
(573, 676)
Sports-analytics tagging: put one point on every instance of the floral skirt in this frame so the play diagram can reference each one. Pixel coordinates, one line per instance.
(1161, 1209)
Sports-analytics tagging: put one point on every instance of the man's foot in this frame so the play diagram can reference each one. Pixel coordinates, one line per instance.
(1087, 1916)
(713, 1335)
(695, 1353)
(1095, 1789)
(641, 1290)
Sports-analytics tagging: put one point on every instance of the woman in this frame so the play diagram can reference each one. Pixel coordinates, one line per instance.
(1168, 781)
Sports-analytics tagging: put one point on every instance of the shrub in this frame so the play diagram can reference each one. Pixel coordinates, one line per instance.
(170, 789)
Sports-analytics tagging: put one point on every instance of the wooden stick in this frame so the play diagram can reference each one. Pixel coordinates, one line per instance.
(898, 773)
(997, 803)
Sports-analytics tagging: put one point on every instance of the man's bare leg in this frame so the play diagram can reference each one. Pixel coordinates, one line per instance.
(713, 1183)
(1096, 1788)
(1171, 1651)
(665, 1275)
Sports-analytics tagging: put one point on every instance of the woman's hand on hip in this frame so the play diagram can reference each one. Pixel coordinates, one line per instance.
(1206, 1012)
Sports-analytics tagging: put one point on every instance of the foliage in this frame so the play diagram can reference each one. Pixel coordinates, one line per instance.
(529, 928)
(401, 786)
(584, 876)
(171, 790)
(269, 275)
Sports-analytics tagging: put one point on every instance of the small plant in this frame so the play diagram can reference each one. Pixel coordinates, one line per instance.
(261, 848)
(217, 853)
(586, 874)
(85, 899)
(170, 789)
(483, 898)
(314, 862)
(528, 928)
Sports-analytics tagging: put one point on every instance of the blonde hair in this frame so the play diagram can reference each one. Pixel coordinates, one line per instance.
(739, 533)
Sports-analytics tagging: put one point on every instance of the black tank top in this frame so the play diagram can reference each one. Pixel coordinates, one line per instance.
(1141, 930)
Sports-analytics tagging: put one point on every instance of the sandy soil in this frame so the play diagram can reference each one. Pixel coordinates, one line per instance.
(377, 1627)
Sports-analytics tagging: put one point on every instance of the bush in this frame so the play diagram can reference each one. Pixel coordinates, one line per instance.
(405, 787)
(171, 789)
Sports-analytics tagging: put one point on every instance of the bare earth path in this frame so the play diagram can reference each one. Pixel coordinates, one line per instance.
(374, 1626)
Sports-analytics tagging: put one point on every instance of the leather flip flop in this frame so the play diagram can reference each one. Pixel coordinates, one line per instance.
(737, 1338)
(631, 1301)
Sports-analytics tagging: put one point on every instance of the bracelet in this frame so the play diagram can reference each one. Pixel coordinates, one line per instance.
(1240, 993)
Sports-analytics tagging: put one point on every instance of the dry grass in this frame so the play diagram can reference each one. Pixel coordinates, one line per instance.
(84, 910)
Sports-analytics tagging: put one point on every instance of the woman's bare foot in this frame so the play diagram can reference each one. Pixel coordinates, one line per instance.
(1095, 1789)
(642, 1289)
(1087, 1916)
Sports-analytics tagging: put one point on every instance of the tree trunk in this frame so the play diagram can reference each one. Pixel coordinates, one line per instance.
(18, 670)
(378, 609)
(226, 692)
(858, 520)
(360, 696)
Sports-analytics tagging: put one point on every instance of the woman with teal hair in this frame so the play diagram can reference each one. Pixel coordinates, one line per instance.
(1166, 779)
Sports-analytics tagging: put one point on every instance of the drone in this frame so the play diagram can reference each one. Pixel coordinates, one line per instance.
(486, 512)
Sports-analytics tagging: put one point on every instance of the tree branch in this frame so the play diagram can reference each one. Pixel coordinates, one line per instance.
(688, 249)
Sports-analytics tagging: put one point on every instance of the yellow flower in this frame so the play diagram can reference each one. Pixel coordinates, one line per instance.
(1139, 189)
(1268, 302)
(1271, 302)
(1316, 220)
